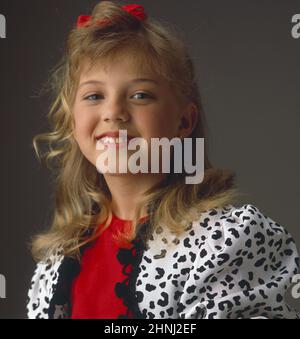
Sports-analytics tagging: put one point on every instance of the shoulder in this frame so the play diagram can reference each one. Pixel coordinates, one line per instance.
(245, 227)
(42, 285)
(245, 261)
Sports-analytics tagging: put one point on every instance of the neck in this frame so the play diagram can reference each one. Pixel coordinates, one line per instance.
(127, 191)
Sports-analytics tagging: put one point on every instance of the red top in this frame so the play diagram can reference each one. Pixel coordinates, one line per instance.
(93, 293)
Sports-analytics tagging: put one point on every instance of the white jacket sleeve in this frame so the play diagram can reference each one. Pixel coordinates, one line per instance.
(249, 274)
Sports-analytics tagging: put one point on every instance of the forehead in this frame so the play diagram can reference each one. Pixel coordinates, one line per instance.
(123, 65)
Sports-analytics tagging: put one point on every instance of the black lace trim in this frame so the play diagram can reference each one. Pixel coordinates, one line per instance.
(126, 289)
(67, 272)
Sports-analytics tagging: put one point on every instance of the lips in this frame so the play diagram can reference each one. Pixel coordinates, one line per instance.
(112, 135)
(113, 138)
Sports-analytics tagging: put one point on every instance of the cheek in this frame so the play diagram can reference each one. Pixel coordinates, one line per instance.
(84, 123)
(158, 124)
(83, 133)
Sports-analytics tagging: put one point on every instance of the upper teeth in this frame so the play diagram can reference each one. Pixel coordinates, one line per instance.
(111, 140)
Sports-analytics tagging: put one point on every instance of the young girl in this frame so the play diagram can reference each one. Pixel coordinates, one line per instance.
(145, 245)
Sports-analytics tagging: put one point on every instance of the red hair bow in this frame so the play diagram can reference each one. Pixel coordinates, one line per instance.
(82, 20)
(134, 9)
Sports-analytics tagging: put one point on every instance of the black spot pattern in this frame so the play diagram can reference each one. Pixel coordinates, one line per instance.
(227, 241)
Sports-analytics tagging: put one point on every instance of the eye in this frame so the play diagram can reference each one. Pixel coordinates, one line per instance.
(92, 97)
(142, 93)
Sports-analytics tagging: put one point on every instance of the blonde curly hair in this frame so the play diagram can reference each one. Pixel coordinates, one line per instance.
(82, 198)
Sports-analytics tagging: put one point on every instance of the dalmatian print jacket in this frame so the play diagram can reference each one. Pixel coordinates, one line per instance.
(234, 262)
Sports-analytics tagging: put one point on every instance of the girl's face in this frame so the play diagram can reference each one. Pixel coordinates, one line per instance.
(116, 98)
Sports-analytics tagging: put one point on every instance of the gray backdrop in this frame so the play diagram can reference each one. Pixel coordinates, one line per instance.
(249, 75)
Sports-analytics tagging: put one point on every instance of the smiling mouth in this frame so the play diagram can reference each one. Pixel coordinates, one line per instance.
(114, 141)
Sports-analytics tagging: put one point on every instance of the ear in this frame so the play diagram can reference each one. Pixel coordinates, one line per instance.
(188, 120)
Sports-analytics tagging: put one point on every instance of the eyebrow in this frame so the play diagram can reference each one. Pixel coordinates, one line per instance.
(93, 82)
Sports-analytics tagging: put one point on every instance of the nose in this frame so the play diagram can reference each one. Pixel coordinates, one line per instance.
(115, 110)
